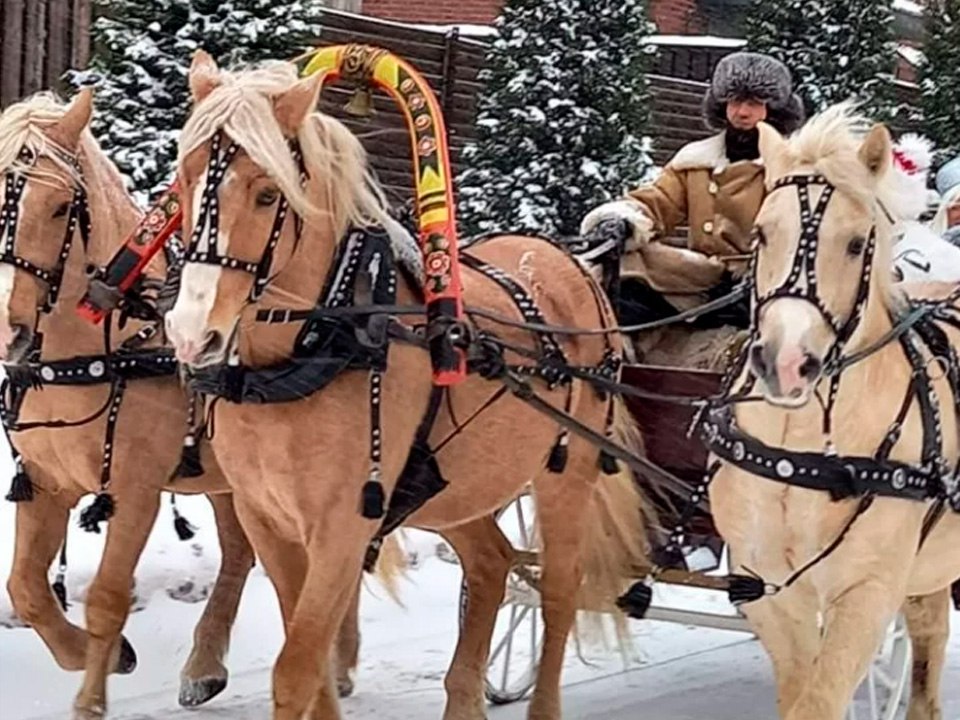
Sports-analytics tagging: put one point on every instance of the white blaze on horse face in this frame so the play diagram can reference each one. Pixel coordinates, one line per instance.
(187, 322)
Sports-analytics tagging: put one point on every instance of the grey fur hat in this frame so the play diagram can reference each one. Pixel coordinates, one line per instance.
(745, 75)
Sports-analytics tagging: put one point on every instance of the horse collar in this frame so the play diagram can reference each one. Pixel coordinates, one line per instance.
(203, 243)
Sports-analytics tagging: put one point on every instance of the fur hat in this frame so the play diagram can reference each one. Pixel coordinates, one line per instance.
(912, 156)
(744, 75)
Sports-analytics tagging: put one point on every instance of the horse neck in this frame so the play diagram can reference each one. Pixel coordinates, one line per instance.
(113, 215)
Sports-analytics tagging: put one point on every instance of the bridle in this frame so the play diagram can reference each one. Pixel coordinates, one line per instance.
(203, 249)
(78, 216)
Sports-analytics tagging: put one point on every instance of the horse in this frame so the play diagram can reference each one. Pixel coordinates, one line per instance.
(56, 180)
(834, 491)
(327, 462)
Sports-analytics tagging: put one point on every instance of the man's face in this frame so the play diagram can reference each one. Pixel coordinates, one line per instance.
(745, 114)
(953, 214)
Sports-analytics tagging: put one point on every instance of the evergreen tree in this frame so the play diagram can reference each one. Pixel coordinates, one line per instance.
(940, 77)
(836, 49)
(141, 57)
(560, 122)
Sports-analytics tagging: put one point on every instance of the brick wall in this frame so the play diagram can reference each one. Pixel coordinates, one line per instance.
(435, 11)
(673, 17)
(677, 17)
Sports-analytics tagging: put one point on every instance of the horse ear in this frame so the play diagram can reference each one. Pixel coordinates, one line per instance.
(204, 75)
(876, 153)
(292, 107)
(66, 132)
(773, 149)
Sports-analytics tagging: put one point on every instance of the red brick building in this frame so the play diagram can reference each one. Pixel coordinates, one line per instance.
(672, 17)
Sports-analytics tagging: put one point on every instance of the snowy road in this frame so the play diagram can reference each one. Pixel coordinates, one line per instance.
(679, 673)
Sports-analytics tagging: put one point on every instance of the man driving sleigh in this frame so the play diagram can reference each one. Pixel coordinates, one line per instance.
(715, 187)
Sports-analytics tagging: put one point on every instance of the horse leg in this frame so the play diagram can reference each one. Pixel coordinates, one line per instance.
(347, 648)
(41, 527)
(853, 628)
(787, 628)
(486, 557)
(561, 501)
(108, 599)
(303, 677)
(204, 676)
(928, 622)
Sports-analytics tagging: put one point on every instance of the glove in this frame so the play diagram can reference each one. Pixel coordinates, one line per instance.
(626, 210)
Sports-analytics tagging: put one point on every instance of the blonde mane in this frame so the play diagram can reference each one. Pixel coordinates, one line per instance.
(22, 125)
(241, 106)
(830, 143)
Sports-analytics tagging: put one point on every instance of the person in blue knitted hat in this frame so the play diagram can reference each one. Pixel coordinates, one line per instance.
(947, 220)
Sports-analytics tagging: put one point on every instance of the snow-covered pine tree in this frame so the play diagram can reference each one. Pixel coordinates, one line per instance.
(836, 49)
(561, 120)
(141, 56)
(940, 76)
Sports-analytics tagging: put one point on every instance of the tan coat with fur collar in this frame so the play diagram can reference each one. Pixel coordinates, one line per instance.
(717, 199)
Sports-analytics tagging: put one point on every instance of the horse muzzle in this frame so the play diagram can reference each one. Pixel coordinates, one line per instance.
(788, 373)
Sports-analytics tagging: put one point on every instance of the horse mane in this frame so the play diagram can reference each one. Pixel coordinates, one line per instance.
(830, 142)
(22, 125)
(241, 106)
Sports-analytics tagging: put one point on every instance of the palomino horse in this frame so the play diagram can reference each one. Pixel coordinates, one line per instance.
(833, 490)
(64, 173)
(298, 468)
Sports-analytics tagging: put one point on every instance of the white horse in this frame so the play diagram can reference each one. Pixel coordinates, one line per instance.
(838, 567)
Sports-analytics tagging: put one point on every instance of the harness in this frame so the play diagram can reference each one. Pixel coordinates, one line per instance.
(114, 367)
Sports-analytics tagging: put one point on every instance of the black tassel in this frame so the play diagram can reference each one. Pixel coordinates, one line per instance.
(185, 531)
(745, 588)
(190, 465)
(558, 456)
(373, 500)
(372, 554)
(59, 588)
(608, 463)
(636, 602)
(101, 510)
(21, 489)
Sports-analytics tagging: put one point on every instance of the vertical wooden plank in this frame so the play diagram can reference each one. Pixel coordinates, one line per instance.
(34, 45)
(11, 51)
(58, 41)
(80, 33)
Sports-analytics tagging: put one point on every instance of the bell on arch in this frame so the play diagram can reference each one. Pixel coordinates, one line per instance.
(361, 104)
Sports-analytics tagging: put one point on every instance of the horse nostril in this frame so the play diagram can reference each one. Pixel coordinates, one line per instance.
(212, 342)
(757, 359)
(811, 368)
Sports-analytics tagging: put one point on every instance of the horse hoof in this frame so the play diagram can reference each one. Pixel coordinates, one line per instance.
(127, 662)
(194, 693)
(345, 687)
(89, 713)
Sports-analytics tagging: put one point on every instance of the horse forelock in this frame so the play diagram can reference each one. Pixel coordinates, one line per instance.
(241, 106)
(23, 125)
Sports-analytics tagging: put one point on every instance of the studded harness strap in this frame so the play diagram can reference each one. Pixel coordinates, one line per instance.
(203, 243)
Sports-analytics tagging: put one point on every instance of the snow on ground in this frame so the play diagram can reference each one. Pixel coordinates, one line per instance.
(680, 671)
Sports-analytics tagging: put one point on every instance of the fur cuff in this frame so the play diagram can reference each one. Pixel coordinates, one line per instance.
(628, 210)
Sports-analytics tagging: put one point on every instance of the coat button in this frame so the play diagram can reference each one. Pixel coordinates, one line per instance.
(708, 227)
(712, 188)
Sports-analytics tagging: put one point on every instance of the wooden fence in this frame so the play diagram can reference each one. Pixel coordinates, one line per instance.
(39, 40)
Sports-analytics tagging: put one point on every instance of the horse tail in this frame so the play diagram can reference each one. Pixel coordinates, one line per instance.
(392, 566)
(616, 540)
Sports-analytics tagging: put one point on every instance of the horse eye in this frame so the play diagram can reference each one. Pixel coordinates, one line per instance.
(62, 210)
(267, 197)
(855, 246)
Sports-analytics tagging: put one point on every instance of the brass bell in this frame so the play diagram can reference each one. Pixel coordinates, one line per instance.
(361, 104)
